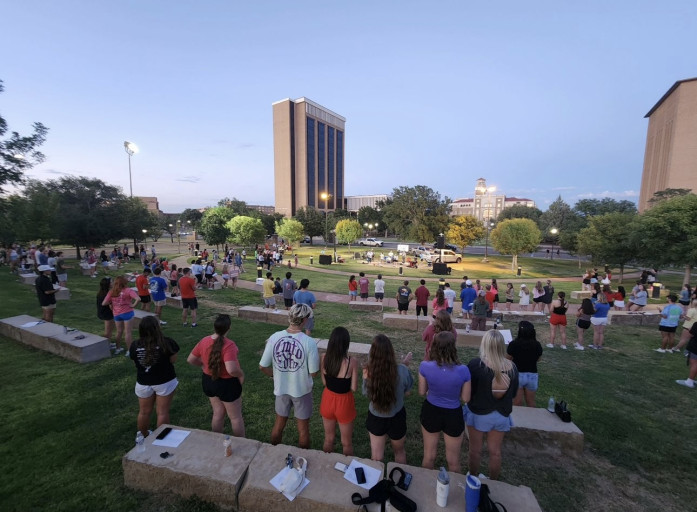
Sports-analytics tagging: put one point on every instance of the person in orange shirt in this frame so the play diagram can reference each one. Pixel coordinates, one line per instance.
(187, 289)
(143, 288)
(353, 288)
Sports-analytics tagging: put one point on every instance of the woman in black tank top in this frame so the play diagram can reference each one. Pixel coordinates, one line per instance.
(557, 320)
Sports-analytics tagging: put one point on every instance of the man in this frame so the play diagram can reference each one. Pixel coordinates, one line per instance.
(422, 294)
(187, 289)
(404, 297)
(158, 286)
(143, 288)
(379, 285)
(46, 293)
(449, 294)
(363, 284)
(268, 292)
(302, 296)
(292, 359)
(467, 296)
(289, 288)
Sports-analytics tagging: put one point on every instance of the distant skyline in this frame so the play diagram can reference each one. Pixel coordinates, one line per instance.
(539, 98)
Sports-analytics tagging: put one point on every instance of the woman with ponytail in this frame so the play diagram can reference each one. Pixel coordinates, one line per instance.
(222, 376)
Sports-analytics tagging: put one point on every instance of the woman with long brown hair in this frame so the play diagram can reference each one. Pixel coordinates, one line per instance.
(439, 303)
(122, 299)
(222, 376)
(386, 383)
(154, 356)
(442, 323)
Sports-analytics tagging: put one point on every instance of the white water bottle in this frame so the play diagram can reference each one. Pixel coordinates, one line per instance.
(140, 442)
(550, 404)
(442, 488)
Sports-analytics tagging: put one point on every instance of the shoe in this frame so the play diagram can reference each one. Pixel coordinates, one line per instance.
(163, 322)
(549, 345)
(592, 346)
(563, 347)
(194, 325)
(579, 347)
(685, 383)
(185, 324)
(112, 346)
(118, 351)
(660, 350)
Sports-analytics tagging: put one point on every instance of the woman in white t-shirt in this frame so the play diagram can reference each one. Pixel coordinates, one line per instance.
(524, 295)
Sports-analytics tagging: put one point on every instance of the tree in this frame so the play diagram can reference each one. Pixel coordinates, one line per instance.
(559, 215)
(192, 215)
(368, 214)
(134, 217)
(463, 230)
(245, 231)
(267, 219)
(668, 193)
(291, 230)
(667, 233)
(417, 213)
(236, 205)
(213, 225)
(609, 239)
(348, 231)
(312, 221)
(168, 221)
(592, 207)
(19, 153)
(515, 236)
(520, 211)
(13, 220)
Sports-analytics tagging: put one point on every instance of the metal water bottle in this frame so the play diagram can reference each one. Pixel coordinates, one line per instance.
(442, 488)
(140, 442)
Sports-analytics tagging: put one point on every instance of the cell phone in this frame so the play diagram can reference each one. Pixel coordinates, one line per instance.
(405, 482)
(164, 433)
(340, 467)
(360, 475)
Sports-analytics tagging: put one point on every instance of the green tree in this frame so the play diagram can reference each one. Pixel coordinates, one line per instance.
(13, 220)
(168, 221)
(19, 153)
(191, 217)
(134, 217)
(312, 221)
(520, 211)
(213, 227)
(668, 193)
(592, 207)
(568, 223)
(417, 213)
(515, 236)
(291, 230)
(463, 230)
(268, 220)
(348, 231)
(370, 215)
(245, 231)
(238, 206)
(609, 239)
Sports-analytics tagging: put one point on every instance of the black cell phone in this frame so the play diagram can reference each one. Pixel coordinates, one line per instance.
(164, 433)
(360, 475)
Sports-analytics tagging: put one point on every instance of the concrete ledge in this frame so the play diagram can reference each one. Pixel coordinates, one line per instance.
(359, 305)
(358, 350)
(259, 314)
(63, 294)
(139, 314)
(581, 294)
(647, 318)
(423, 491)
(277, 316)
(400, 321)
(538, 430)
(472, 339)
(328, 490)
(516, 316)
(199, 467)
(175, 302)
(28, 279)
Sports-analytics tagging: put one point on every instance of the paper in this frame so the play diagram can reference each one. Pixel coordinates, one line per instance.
(173, 439)
(278, 479)
(31, 324)
(507, 336)
(372, 475)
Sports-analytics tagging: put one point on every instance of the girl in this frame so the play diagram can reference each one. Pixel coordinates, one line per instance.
(685, 295)
(122, 299)
(104, 312)
(557, 320)
(442, 323)
(439, 303)
(495, 288)
(638, 299)
(340, 378)
(690, 317)
(353, 288)
(174, 280)
(524, 295)
(583, 322)
(525, 351)
(670, 316)
(599, 321)
(226, 274)
(620, 294)
(538, 297)
(480, 310)
(510, 291)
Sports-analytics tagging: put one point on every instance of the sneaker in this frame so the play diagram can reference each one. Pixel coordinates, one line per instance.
(593, 347)
(194, 325)
(112, 346)
(578, 347)
(563, 347)
(185, 324)
(118, 351)
(685, 383)
(162, 322)
(660, 350)
(549, 345)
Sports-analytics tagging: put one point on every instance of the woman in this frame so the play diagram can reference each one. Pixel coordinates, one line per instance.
(480, 311)
(557, 320)
(123, 300)
(685, 295)
(548, 297)
(524, 296)
(386, 383)
(446, 384)
(525, 351)
(340, 378)
(609, 295)
(510, 291)
(439, 303)
(495, 288)
(353, 288)
(104, 312)
(442, 323)
(691, 359)
(226, 274)
(494, 384)
(690, 317)
(222, 377)
(620, 295)
(174, 281)
(638, 299)
(599, 321)
(587, 280)
(583, 322)
(154, 357)
(670, 317)
(538, 297)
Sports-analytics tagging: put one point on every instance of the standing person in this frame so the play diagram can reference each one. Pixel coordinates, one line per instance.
(442, 323)
(691, 359)
(303, 296)
(386, 383)
(123, 300)
(685, 295)
(61, 269)
(599, 321)
(690, 317)
(449, 295)
(524, 296)
(158, 286)
(538, 297)
(583, 322)
(208, 272)
(289, 288)
(495, 289)
(525, 351)
(143, 288)
(494, 384)
(510, 292)
(422, 294)
(467, 296)
(187, 287)
(225, 273)
(291, 358)
(548, 297)
(104, 312)
(268, 292)
(153, 355)
(439, 303)
(197, 271)
(404, 297)
(174, 281)
(221, 377)
(340, 378)
(353, 288)
(379, 286)
(480, 310)
(446, 384)
(557, 320)
(46, 293)
(670, 317)
(363, 286)
(490, 297)
(234, 275)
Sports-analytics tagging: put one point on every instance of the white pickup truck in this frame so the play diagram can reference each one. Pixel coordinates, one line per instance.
(374, 242)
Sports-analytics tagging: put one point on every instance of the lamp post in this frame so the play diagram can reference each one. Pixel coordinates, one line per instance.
(334, 238)
(489, 225)
(145, 235)
(554, 232)
(326, 196)
(179, 236)
(131, 149)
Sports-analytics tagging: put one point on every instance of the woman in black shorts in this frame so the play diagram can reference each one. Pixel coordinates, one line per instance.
(583, 322)
(222, 377)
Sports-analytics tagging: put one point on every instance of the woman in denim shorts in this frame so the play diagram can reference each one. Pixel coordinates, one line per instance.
(525, 351)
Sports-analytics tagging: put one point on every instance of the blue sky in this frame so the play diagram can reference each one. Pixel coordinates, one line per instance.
(541, 98)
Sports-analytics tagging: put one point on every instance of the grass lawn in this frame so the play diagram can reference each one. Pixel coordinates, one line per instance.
(65, 426)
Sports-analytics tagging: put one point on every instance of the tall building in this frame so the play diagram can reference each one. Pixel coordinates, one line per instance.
(487, 203)
(355, 203)
(670, 158)
(308, 142)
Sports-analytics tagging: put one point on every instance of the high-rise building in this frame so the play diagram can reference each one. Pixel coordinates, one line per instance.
(670, 158)
(308, 144)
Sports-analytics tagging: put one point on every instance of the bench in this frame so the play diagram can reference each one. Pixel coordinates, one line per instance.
(62, 293)
(473, 339)
(259, 314)
(359, 305)
(199, 467)
(86, 269)
(358, 350)
(646, 317)
(423, 491)
(581, 294)
(53, 338)
(175, 302)
(516, 316)
(538, 430)
(419, 323)
(138, 315)
(28, 279)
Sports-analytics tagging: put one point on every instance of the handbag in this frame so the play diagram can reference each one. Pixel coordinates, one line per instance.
(381, 492)
(486, 504)
(563, 413)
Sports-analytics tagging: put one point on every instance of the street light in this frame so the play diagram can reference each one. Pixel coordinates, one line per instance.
(326, 197)
(489, 225)
(554, 232)
(334, 238)
(179, 236)
(131, 149)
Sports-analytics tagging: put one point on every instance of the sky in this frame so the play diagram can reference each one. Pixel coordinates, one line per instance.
(540, 98)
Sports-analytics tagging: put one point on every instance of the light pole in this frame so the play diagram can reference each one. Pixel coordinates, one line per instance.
(131, 149)
(326, 197)
(179, 236)
(334, 238)
(489, 225)
(554, 232)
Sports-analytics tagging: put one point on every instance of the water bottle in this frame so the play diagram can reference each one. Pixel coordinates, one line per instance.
(467, 329)
(227, 444)
(140, 442)
(550, 404)
(442, 488)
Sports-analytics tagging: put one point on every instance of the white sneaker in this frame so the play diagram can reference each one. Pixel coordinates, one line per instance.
(563, 347)
(578, 347)
(686, 384)
(660, 350)
(549, 345)
(162, 322)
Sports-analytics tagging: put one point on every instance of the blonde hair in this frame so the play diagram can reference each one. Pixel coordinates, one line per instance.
(298, 313)
(492, 352)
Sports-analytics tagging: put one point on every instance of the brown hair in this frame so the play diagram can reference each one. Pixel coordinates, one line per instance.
(120, 283)
(443, 349)
(382, 374)
(215, 357)
(440, 297)
(337, 351)
(443, 322)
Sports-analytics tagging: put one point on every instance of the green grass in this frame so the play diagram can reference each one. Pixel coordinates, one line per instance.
(66, 426)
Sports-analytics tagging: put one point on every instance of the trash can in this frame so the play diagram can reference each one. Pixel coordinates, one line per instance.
(259, 269)
(312, 259)
(520, 269)
(401, 270)
(325, 259)
(656, 290)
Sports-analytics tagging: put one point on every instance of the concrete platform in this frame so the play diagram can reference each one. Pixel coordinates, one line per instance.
(581, 294)
(358, 350)
(538, 430)
(63, 294)
(419, 323)
(359, 305)
(86, 269)
(259, 314)
(139, 314)
(28, 279)
(52, 338)
(646, 318)
(328, 490)
(198, 467)
(516, 316)
(175, 302)
(423, 492)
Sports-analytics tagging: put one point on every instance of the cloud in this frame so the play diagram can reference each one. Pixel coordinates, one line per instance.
(245, 145)
(608, 193)
(54, 171)
(189, 179)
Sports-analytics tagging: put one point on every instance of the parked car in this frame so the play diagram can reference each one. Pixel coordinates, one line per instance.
(450, 247)
(446, 256)
(373, 242)
(307, 240)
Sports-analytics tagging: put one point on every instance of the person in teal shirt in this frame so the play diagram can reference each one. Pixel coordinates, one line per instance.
(670, 316)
